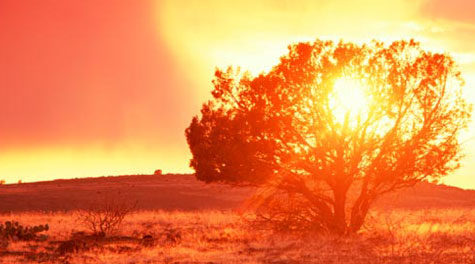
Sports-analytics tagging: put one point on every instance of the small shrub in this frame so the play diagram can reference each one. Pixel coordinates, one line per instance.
(104, 218)
(172, 236)
(14, 231)
(284, 213)
(148, 241)
(71, 246)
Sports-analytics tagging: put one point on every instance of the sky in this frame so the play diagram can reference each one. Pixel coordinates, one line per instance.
(92, 88)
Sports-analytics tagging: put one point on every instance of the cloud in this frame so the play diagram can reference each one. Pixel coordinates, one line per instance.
(456, 10)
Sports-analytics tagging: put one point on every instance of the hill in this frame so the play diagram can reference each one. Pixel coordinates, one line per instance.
(184, 192)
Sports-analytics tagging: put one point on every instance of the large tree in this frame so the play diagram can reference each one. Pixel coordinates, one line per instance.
(331, 117)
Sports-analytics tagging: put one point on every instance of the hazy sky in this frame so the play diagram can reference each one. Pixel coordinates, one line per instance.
(91, 88)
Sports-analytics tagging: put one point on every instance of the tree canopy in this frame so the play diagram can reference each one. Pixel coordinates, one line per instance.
(331, 116)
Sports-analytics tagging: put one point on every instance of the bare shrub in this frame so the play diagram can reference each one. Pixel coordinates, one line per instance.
(105, 216)
(284, 212)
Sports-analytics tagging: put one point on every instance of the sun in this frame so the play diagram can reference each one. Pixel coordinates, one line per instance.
(348, 98)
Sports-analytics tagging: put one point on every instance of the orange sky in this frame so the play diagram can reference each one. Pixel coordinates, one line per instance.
(90, 88)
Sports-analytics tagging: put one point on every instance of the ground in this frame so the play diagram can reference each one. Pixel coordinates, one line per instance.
(396, 231)
(421, 236)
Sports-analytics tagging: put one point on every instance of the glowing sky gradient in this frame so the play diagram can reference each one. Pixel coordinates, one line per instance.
(91, 88)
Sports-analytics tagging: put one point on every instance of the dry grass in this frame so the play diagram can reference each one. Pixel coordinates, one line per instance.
(422, 236)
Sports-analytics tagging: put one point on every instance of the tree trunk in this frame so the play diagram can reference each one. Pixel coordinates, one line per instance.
(339, 217)
(359, 212)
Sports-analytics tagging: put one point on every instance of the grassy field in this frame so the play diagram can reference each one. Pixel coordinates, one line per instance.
(391, 236)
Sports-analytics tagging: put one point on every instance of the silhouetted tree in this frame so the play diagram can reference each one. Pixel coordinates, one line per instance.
(284, 130)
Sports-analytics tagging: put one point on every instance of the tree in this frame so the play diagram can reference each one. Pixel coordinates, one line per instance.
(331, 117)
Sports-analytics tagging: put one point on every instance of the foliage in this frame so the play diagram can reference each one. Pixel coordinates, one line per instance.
(12, 230)
(283, 131)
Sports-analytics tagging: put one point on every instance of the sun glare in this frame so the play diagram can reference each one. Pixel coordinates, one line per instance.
(348, 98)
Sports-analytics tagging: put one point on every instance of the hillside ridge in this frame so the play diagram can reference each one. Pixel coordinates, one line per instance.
(185, 192)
